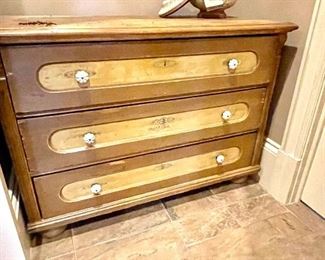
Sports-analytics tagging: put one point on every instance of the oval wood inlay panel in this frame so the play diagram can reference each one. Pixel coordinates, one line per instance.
(71, 140)
(61, 77)
(80, 190)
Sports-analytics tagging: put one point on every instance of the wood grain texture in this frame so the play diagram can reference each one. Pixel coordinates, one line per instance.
(110, 134)
(268, 98)
(23, 63)
(52, 204)
(11, 132)
(87, 213)
(2, 72)
(157, 132)
(127, 131)
(80, 190)
(19, 29)
(61, 77)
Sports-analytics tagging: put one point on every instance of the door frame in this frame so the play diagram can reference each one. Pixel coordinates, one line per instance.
(306, 117)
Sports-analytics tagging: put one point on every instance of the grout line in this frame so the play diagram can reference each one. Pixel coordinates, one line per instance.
(58, 256)
(165, 208)
(75, 255)
(73, 243)
(199, 242)
(213, 193)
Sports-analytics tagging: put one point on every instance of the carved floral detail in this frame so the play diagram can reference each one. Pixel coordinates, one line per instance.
(161, 123)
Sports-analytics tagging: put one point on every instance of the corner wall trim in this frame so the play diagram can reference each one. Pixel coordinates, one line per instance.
(284, 172)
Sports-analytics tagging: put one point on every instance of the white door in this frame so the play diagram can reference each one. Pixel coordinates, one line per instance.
(314, 191)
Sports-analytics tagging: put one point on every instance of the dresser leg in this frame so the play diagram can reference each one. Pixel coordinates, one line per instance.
(240, 180)
(51, 233)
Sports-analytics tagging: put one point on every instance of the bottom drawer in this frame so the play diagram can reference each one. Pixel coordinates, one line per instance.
(128, 179)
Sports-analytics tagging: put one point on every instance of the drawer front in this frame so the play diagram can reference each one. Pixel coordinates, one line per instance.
(127, 180)
(64, 141)
(74, 76)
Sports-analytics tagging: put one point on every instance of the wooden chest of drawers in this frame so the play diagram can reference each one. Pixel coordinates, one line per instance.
(102, 114)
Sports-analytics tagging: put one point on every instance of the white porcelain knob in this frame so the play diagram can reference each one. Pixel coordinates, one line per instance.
(226, 115)
(82, 77)
(220, 159)
(89, 139)
(96, 188)
(233, 64)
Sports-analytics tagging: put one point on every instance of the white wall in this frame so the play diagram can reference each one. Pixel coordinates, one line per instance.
(80, 7)
(10, 245)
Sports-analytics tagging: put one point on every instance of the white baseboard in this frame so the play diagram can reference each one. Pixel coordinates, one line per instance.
(270, 153)
(271, 146)
(278, 169)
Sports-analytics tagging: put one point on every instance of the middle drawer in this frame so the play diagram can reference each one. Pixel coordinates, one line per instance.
(64, 141)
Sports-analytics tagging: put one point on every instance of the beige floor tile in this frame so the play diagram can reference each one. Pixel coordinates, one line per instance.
(239, 243)
(311, 247)
(243, 244)
(256, 241)
(242, 223)
(184, 205)
(289, 226)
(161, 242)
(48, 248)
(70, 256)
(117, 226)
(236, 195)
(308, 217)
(255, 209)
(203, 225)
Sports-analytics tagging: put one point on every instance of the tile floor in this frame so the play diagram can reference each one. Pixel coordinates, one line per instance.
(225, 221)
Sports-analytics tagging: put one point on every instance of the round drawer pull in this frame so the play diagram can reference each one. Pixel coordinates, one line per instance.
(96, 188)
(220, 159)
(233, 64)
(82, 77)
(226, 115)
(89, 139)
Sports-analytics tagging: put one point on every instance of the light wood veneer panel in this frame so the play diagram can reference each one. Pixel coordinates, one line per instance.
(79, 191)
(61, 77)
(71, 140)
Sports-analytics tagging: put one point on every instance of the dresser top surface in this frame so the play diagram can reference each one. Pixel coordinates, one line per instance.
(42, 29)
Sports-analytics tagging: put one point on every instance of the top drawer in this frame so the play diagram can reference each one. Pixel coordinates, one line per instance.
(72, 76)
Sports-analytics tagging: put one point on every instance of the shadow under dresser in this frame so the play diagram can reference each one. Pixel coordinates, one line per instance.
(102, 114)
